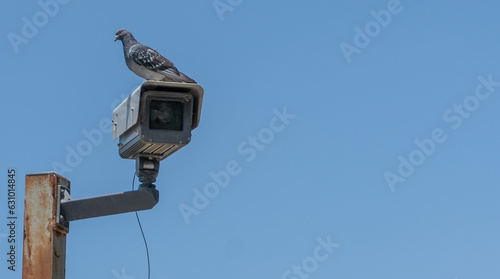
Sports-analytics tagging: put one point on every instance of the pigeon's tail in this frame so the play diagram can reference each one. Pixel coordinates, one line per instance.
(187, 79)
(180, 78)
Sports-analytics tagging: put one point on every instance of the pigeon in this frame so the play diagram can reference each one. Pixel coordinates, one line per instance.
(147, 62)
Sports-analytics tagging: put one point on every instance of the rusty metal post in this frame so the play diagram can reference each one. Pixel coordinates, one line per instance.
(44, 250)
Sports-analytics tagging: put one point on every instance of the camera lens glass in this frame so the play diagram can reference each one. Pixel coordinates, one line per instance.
(166, 115)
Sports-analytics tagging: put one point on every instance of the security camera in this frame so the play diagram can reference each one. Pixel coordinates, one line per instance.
(154, 122)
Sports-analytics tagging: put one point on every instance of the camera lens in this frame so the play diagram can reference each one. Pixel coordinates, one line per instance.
(165, 115)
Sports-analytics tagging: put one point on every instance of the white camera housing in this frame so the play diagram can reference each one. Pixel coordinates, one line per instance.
(156, 120)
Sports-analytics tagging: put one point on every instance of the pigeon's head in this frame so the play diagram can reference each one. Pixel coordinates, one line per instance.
(120, 34)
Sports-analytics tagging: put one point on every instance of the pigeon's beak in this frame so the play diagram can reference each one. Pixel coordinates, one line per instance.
(116, 38)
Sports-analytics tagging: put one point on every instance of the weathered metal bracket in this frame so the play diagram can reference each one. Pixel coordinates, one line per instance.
(48, 209)
(70, 210)
(62, 196)
(44, 249)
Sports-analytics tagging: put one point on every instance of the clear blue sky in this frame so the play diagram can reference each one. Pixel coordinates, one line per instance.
(386, 165)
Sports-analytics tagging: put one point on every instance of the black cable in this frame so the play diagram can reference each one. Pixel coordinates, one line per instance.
(143, 237)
